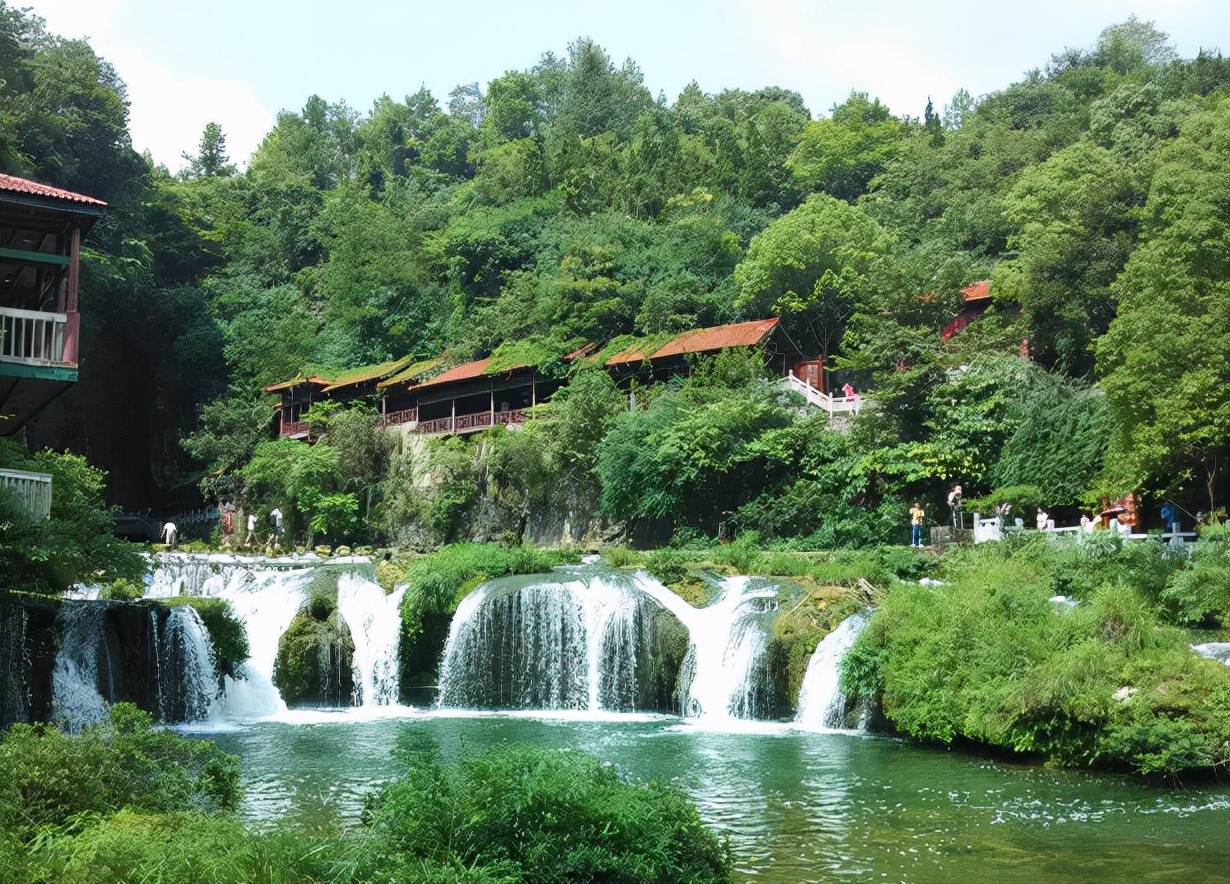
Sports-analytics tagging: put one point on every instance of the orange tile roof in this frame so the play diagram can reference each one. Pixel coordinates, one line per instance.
(464, 372)
(14, 184)
(976, 291)
(719, 337)
(703, 340)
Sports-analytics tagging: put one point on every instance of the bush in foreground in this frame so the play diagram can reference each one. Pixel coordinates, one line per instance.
(124, 802)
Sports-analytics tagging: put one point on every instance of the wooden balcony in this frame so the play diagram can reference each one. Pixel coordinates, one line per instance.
(33, 337)
(293, 429)
(471, 423)
(32, 490)
(398, 418)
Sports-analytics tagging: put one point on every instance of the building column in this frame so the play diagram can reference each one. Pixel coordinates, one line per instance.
(72, 327)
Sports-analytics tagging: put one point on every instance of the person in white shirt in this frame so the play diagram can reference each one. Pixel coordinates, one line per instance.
(169, 534)
(1042, 519)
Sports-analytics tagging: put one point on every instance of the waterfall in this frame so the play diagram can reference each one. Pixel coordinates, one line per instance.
(572, 640)
(726, 667)
(821, 702)
(187, 671)
(374, 620)
(75, 699)
(1219, 651)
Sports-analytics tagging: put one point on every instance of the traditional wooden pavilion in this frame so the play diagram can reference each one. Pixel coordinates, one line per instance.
(430, 397)
(41, 228)
(975, 299)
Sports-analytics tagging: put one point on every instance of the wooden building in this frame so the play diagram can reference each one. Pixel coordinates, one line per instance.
(975, 299)
(41, 228)
(430, 397)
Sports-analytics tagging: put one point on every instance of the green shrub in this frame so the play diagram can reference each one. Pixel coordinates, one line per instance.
(48, 777)
(1201, 591)
(539, 815)
(988, 658)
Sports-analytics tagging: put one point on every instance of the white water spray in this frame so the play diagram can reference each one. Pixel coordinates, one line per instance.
(374, 620)
(821, 701)
(75, 698)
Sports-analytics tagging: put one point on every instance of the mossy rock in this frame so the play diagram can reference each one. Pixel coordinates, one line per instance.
(313, 666)
(806, 615)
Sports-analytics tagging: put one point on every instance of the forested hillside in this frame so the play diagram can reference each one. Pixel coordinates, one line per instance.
(565, 203)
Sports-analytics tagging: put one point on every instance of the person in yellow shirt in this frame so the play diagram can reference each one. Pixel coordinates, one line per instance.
(917, 515)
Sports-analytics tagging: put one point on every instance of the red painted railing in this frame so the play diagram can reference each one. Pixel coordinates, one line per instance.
(439, 425)
(469, 422)
(397, 418)
(294, 428)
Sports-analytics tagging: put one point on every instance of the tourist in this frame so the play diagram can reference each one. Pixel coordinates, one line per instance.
(917, 514)
(1170, 517)
(169, 534)
(228, 525)
(1042, 519)
(250, 539)
(954, 507)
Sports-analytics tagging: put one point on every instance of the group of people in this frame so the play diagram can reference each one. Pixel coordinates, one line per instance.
(956, 515)
(170, 531)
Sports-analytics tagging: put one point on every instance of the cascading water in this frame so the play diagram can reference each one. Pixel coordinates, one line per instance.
(188, 683)
(75, 699)
(821, 701)
(726, 667)
(575, 640)
(1219, 651)
(374, 620)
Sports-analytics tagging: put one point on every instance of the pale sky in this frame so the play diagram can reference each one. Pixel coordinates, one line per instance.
(239, 63)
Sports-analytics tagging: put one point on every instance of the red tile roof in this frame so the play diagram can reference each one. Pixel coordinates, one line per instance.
(463, 372)
(976, 291)
(13, 184)
(709, 339)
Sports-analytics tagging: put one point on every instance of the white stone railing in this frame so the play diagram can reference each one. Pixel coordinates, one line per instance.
(32, 336)
(993, 529)
(832, 404)
(32, 490)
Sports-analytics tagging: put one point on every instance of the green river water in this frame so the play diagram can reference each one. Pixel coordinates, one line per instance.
(796, 806)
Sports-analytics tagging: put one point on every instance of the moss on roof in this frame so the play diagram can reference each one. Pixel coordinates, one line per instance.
(368, 372)
(512, 355)
(416, 371)
(628, 348)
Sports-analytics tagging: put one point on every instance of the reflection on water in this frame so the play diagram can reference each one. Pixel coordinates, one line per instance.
(796, 806)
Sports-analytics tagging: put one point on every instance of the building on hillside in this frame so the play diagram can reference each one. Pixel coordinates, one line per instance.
(430, 397)
(975, 299)
(41, 229)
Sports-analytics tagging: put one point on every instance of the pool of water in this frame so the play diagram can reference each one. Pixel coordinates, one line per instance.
(796, 806)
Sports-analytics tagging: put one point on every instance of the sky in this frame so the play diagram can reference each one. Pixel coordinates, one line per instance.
(238, 62)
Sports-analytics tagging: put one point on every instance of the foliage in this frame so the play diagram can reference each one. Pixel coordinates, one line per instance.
(986, 657)
(541, 815)
(76, 543)
(50, 778)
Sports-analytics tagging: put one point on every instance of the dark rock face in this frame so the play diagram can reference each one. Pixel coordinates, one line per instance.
(27, 654)
(125, 651)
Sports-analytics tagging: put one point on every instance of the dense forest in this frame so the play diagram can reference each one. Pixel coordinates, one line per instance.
(565, 203)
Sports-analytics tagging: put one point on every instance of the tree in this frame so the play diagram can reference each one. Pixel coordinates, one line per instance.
(211, 159)
(1165, 359)
(807, 266)
(842, 154)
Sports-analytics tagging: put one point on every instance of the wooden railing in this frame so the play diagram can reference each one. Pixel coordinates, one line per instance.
(32, 490)
(832, 404)
(439, 425)
(294, 428)
(32, 336)
(397, 418)
(465, 423)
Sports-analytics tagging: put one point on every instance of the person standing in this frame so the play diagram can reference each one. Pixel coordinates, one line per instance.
(169, 534)
(1170, 517)
(917, 515)
(1042, 519)
(954, 507)
(250, 538)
